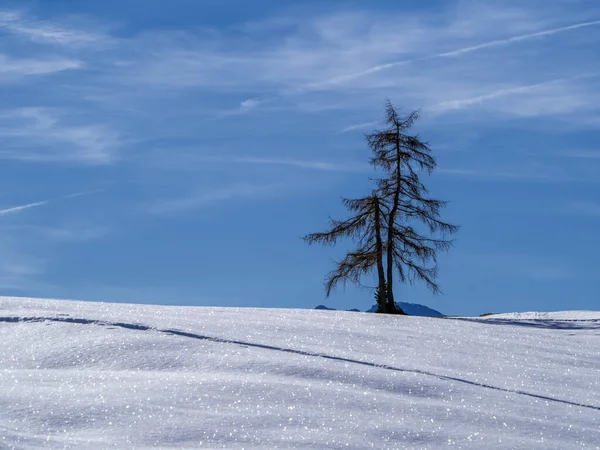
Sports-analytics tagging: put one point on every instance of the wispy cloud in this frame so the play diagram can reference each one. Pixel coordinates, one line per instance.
(546, 272)
(210, 197)
(20, 208)
(304, 68)
(17, 209)
(41, 31)
(249, 104)
(41, 134)
(341, 166)
(502, 175)
(340, 60)
(528, 171)
(245, 107)
(328, 166)
(463, 103)
(84, 193)
(520, 38)
(29, 66)
(500, 93)
(449, 54)
(68, 231)
(359, 126)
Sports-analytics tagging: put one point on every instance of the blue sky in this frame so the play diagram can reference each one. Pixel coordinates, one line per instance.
(176, 152)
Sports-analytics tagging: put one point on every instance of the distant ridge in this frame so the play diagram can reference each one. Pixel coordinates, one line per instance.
(325, 308)
(412, 309)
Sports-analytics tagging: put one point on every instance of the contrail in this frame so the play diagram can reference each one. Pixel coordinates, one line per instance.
(465, 102)
(17, 209)
(250, 104)
(522, 37)
(453, 53)
(82, 193)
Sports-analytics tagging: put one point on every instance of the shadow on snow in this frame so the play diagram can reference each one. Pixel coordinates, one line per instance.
(189, 335)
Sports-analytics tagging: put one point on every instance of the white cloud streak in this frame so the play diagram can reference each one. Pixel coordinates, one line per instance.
(359, 126)
(84, 193)
(40, 134)
(329, 166)
(511, 40)
(17, 209)
(211, 197)
(47, 32)
(463, 103)
(303, 164)
(20, 208)
(453, 53)
(29, 66)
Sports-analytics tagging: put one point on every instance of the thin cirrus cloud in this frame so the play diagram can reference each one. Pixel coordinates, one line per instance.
(47, 32)
(188, 67)
(467, 102)
(46, 135)
(18, 209)
(523, 37)
(358, 126)
(42, 134)
(21, 208)
(328, 166)
(342, 166)
(211, 197)
(521, 171)
(339, 81)
(449, 54)
(31, 66)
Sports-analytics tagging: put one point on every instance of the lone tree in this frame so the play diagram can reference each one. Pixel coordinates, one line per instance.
(412, 251)
(387, 222)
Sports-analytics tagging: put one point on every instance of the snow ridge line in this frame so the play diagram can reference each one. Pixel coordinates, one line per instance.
(140, 327)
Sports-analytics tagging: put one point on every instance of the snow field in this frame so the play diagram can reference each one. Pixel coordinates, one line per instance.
(96, 376)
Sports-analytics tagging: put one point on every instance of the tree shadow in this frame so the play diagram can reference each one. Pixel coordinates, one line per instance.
(548, 324)
(186, 334)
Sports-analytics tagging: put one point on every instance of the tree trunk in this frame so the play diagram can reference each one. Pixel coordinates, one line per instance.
(391, 303)
(381, 287)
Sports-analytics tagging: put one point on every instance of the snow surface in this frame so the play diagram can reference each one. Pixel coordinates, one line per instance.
(82, 375)
(558, 315)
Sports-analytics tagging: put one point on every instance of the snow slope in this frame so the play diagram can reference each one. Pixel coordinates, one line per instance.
(77, 375)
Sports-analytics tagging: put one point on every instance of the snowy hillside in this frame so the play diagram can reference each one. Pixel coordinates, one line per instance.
(81, 375)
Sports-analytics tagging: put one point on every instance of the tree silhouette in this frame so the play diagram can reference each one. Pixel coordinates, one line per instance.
(364, 227)
(403, 157)
(398, 220)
